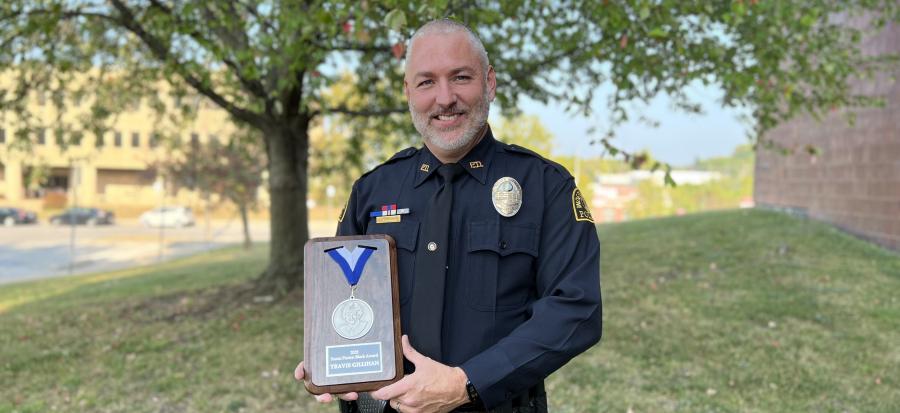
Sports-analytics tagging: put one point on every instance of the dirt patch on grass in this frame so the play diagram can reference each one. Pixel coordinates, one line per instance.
(201, 304)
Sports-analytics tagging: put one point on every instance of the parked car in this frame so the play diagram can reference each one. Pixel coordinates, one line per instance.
(16, 216)
(172, 216)
(84, 216)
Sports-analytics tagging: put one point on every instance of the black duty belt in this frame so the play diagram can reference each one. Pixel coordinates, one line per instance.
(532, 401)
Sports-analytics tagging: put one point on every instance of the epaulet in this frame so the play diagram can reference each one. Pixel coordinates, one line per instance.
(525, 151)
(406, 153)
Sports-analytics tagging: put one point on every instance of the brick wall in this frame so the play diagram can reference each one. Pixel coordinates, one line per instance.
(854, 180)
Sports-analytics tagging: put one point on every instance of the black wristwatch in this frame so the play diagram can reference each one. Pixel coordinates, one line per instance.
(473, 393)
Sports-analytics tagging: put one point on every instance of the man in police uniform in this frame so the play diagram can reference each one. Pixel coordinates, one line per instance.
(497, 252)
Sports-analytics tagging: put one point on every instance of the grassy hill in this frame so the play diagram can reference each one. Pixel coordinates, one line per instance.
(744, 311)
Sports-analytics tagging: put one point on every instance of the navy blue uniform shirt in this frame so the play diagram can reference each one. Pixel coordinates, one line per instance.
(522, 294)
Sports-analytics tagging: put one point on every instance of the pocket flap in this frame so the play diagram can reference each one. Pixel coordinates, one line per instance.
(504, 239)
(405, 233)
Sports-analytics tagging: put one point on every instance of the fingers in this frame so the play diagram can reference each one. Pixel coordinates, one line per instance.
(384, 393)
(298, 372)
(409, 352)
(400, 387)
(392, 391)
(328, 397)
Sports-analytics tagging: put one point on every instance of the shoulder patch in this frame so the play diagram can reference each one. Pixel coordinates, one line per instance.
(580, 207)
(344, 210)
(525, 151)
(406, 153)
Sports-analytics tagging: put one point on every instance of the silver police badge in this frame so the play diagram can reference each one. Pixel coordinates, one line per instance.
(507, 196)
(352, 318)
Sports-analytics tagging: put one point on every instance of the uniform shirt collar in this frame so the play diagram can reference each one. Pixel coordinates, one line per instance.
(475, 162)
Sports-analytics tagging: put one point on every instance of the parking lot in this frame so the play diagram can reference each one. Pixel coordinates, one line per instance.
(43, 250)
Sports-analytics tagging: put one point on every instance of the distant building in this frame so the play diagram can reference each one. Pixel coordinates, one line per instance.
(112, 170)
(854, 180)
(611, 201)
(613, 192)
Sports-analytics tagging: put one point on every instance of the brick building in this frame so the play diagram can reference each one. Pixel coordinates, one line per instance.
(853, 181)
(615, 191)
(114, 171)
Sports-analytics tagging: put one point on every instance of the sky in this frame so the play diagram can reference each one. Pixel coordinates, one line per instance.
(679, 139)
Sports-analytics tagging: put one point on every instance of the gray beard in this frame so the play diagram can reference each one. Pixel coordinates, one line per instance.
(479, 115)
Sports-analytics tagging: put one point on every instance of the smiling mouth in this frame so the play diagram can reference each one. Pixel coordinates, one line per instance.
(447, 116)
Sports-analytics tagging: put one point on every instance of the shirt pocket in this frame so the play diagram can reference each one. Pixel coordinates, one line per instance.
(405, 234)
(499, 264)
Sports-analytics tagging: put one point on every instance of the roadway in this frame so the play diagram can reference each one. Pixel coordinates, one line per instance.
(40, 251)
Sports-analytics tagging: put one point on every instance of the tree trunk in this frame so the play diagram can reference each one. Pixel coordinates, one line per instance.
(247, 242)
(288, 152)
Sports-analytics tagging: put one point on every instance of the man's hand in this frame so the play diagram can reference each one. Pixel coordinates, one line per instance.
(434, 387)
(327, 397)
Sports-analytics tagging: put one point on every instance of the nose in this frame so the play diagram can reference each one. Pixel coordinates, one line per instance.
(446, 97)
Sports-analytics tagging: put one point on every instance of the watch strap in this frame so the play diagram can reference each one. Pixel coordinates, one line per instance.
(472, 392)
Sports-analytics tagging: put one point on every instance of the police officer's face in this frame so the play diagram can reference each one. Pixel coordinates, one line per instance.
(449, 94)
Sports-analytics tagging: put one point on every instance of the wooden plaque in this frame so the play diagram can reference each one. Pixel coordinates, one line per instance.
(351, 342)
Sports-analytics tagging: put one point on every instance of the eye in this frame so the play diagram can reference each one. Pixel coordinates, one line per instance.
(462, 78)
(425, 82)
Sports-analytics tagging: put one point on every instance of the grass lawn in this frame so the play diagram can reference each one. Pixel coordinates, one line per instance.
(737, 311)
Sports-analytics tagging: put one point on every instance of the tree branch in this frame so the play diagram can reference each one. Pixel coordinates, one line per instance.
(551, 61)
(267, 27)
(161, 51)
(343, 110)
(4, 45)
(65, 15)
(354, 47)
(234, 41)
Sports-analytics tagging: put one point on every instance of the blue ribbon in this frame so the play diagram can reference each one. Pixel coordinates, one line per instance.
(352, 270)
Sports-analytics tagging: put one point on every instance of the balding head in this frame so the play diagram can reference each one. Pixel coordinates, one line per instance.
(446, 27)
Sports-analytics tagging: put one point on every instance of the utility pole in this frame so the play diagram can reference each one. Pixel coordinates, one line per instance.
(160, 186)
(75, 172)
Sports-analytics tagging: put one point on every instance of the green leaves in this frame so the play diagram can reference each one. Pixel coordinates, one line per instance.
(395, 20)
(658, 33)
(668, 178)
(644, 12)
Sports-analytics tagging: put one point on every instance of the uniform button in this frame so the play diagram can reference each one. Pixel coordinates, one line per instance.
(432, 246)
(503, 245)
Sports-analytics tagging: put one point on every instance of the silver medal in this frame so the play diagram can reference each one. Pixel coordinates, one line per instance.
(507, 196)
(352, 318)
